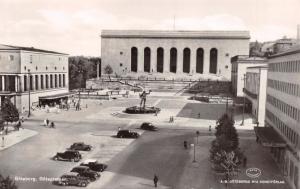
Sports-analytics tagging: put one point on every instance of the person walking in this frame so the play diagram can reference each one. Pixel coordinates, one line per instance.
(155, 180)
(47, 121)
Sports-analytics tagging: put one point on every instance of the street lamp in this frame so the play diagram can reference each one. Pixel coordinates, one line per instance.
(29, 86)
(193, 145)
(243, 118)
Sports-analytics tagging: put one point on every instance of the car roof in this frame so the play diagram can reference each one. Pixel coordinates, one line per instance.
(70, 174)
(89, 160)
(78, 143)
(81, 167)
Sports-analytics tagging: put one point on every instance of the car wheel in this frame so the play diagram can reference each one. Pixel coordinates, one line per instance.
(83, 184)
(73, 160)
(55, 158)
(63, 183)
(88, 149)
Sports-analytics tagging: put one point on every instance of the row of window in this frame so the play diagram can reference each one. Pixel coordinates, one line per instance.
(12, 57)
(289, 88)
(44, 81)
(36, 68)
(289, 110)
(287, 131)
(288, 66)
(173, 60)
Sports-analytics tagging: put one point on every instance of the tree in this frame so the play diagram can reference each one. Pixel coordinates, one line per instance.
(108, 69)
(7, 183)
(9, 111)
(87, 67)
(225, 155)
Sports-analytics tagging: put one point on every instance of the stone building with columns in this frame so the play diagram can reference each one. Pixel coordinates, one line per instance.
(43, 73)
(176, 53)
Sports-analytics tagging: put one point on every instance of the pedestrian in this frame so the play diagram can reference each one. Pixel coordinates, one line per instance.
(155, 180)
(47, 121)
(209, 128)
(170, 119)
(52, 125)
(199, 115)
(244, 161)
(185, 144)
(119, 128)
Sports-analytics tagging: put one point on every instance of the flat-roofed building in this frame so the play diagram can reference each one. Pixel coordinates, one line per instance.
(255, 92)
(175, 53)
(283, 111)
(239, 65)
(45, 73)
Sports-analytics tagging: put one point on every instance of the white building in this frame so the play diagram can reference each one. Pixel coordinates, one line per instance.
(175, 53)
(255, 91)
(283, 111)
(239, 65)
(22, 69)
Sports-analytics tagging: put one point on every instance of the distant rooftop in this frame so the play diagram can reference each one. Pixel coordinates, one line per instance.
(175, 34)
(247, 59)
(293, 50)
(11, 47)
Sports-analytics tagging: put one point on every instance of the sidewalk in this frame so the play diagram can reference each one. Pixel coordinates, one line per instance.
(198, 175)
(15, 137)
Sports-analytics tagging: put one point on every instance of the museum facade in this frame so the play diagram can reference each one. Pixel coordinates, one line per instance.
(129, 52)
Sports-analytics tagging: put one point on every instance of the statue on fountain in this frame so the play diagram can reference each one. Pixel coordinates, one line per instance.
(143, 97)
(142, 109)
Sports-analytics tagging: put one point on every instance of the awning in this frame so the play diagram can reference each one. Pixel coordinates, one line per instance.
(268, 137)
(56, 96)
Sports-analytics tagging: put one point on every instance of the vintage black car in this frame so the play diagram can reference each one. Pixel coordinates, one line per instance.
(80, 146)
(69, 155)
(94, 165)
(127, 134)
(85, 171)
(73, 179)
(148, 126)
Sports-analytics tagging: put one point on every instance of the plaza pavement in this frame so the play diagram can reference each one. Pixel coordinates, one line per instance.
(193, 176)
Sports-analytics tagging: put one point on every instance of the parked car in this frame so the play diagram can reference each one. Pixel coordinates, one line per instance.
(73, 179)
(69, 155)
(127, 134)
(85, 171)
(148, 126)
(94, 165)
(80, 146)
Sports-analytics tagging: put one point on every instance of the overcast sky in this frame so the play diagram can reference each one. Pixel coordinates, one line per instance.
(74, 26)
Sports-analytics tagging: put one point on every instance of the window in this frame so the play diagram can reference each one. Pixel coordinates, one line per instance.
(30, 57)
(46, 67)
(36, 68)
(134, 59)
(11, 57)
(42, 82)
(55, 81)
(47, 82)
(64, 80)
(36, 82)
(25, 83)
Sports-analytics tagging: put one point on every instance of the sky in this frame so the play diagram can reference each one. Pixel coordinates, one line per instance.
(74, 26)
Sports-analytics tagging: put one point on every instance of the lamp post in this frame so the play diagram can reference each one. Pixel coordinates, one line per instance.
(243, 118)
(29, 86)
(193, 145)
(197, 134)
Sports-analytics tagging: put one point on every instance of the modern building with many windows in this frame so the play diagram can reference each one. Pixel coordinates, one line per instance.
(175, 53)
(283, 110)
(43, 73)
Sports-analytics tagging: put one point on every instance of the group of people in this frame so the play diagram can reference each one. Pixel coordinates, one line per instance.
(47, 123)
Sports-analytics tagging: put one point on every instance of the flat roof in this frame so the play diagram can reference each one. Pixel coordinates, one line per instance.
(12, 47)
(246, 59)
(213, 34)
(56, 96)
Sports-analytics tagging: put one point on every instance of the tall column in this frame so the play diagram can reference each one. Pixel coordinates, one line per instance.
(153, 64)
(16, 83)
(33, 82)
(193, 61)
(179, 66)
(97, 70)
(206, 61)
(140, 60)
(166, 60)
(3, 83)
